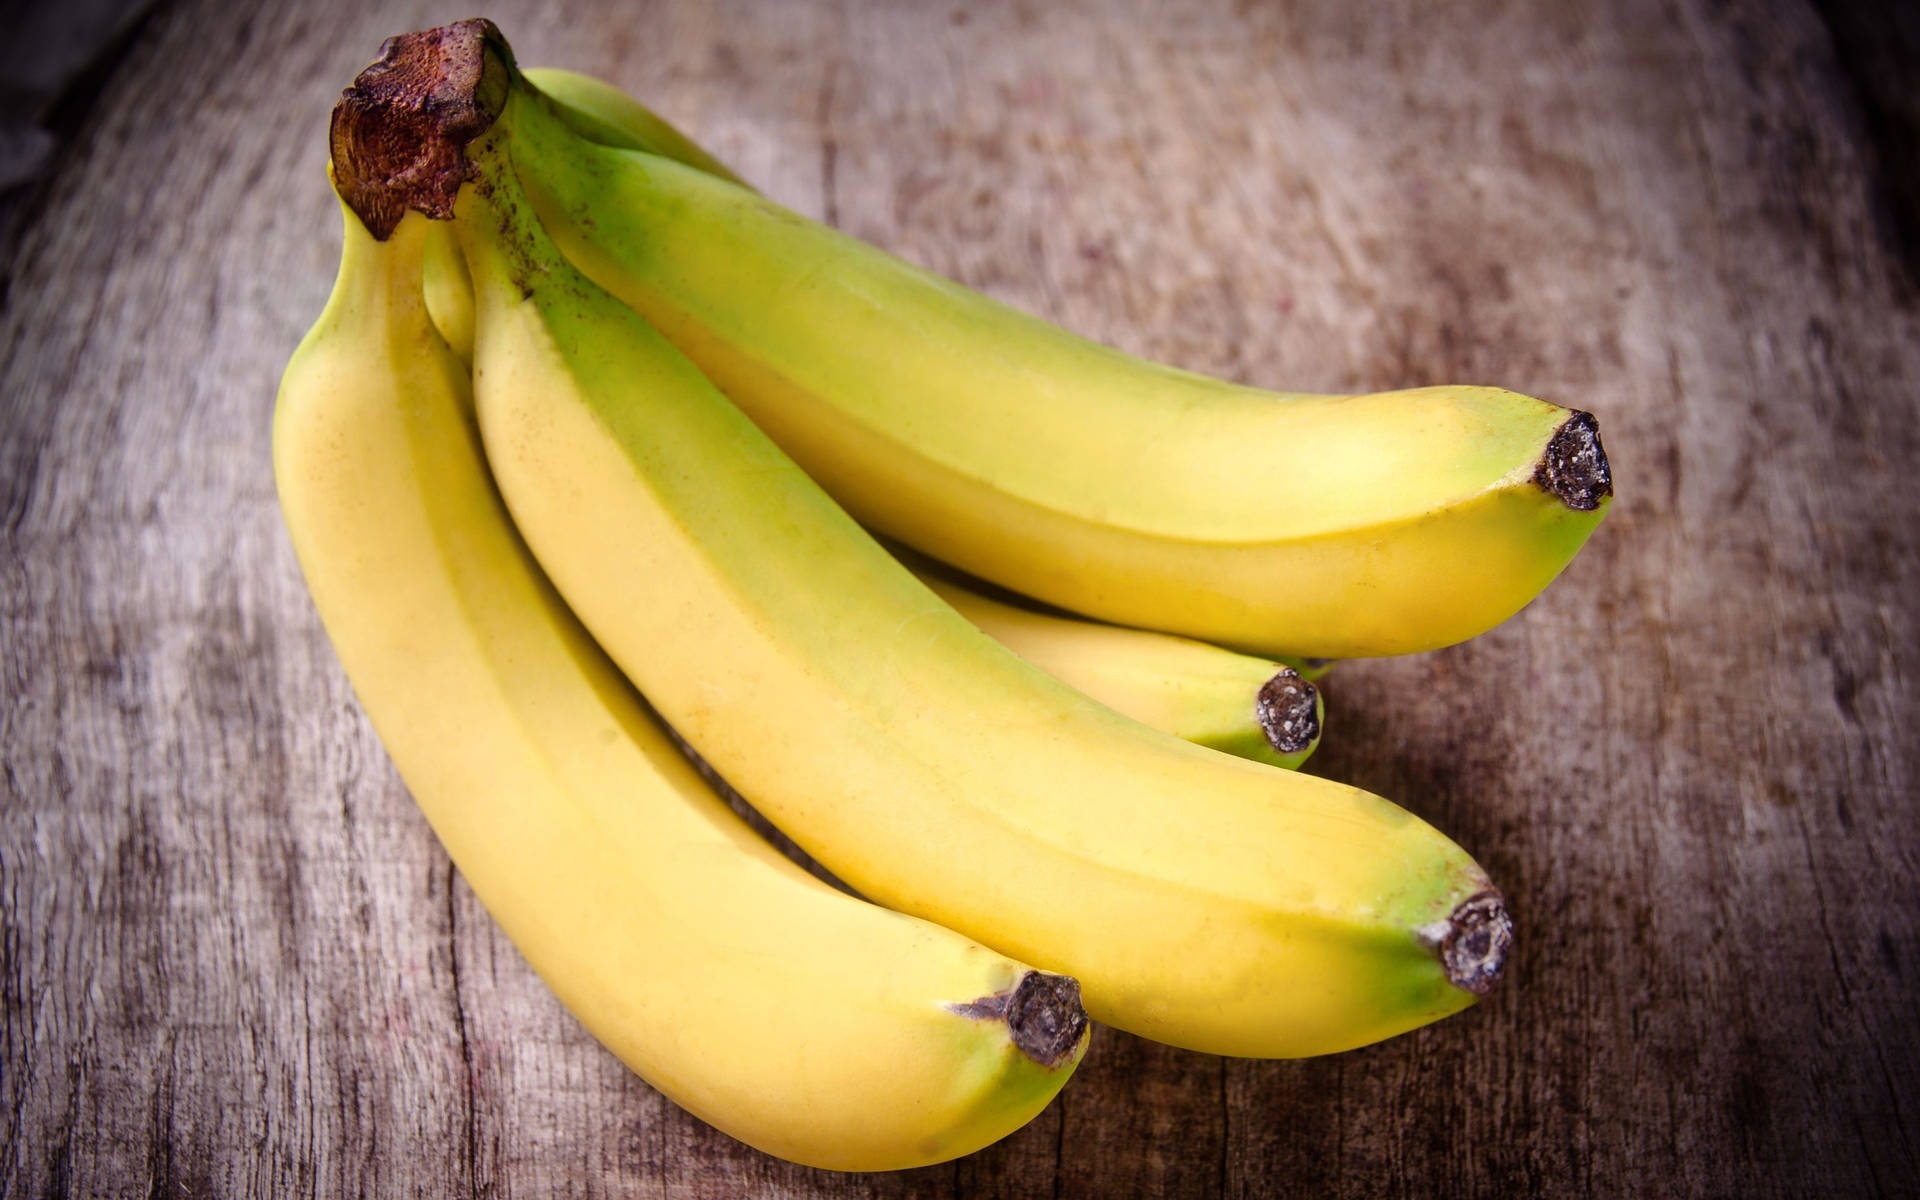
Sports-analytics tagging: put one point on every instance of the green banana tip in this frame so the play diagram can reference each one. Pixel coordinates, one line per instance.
(399, 133)
(1574, 465)
(1043, 1014)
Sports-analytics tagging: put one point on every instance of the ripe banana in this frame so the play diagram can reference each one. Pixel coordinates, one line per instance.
(1109, 663)
(1250, 707)
(1332, 526)
(1201, 899)
(796, 1018)
(1266, 711)
(1256, 709)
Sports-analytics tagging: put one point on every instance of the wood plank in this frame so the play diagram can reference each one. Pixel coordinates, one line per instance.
(233, 961)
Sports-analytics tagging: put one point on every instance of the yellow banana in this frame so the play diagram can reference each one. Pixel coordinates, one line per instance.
(1250, 707)
(1200, 899)
(1333, 526)
(796, 1018)
(1257, 709)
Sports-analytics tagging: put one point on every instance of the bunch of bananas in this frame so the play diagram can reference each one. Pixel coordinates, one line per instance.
(591, 436)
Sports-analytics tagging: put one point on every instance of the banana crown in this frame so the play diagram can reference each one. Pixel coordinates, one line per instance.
(1280, 523)
(1200, 899)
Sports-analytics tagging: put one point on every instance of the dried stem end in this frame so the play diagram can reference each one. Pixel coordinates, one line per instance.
(399, 134)
(1574, 466)
(1474, 941)
(1042, 1012)
(1288, 709)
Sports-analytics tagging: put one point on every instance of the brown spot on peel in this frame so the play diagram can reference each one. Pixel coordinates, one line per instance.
(1042, 1012)
(399, 134)
(1474, 941)
(1574, 465)
(1289, 711)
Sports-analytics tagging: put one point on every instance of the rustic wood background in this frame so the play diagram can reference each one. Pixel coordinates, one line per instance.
(235, 962)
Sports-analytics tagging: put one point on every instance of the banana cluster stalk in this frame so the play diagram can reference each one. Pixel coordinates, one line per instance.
(799, 1019)
(1286, 524)
(774, 1007)
(1200, 899)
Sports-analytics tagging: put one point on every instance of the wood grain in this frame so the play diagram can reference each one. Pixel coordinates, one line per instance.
(234, 962)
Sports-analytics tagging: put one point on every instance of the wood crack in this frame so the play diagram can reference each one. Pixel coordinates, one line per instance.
(829, 148)
(1226, 1128)
(1059, 1145)
(460, 1026)
(15, 1027)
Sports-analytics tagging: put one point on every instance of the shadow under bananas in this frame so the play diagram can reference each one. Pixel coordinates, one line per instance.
(748, 813)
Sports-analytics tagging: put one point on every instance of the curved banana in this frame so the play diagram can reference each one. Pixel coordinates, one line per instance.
(1194, 691)
(1200, 899)
(1257, 709)
(1266, 711)
(1329, 526)
(796, 1018)
(601, 112)
(1246, 706)
(1110, 663)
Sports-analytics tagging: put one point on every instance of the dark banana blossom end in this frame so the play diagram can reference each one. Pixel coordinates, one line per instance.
(1289, 711)
(1474, 944)
(1042, 1012)
(1574, 465)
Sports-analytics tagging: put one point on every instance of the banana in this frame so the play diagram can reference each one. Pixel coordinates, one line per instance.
(1200, 899)
(1284, 524)
(1257, 709)
(798, 1019)
(1250, 707)
(595, 110)
(1261, 710)
(603, 114)
(1254, 708)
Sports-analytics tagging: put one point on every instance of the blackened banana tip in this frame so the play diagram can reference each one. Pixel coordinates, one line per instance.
(1473, 950)
(1043, 1013)
(1574, 465)
(1289, 711)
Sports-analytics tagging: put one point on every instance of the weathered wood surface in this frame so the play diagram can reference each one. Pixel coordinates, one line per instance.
(235, 962)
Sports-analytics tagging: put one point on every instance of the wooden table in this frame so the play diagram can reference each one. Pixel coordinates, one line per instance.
(236, 963)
